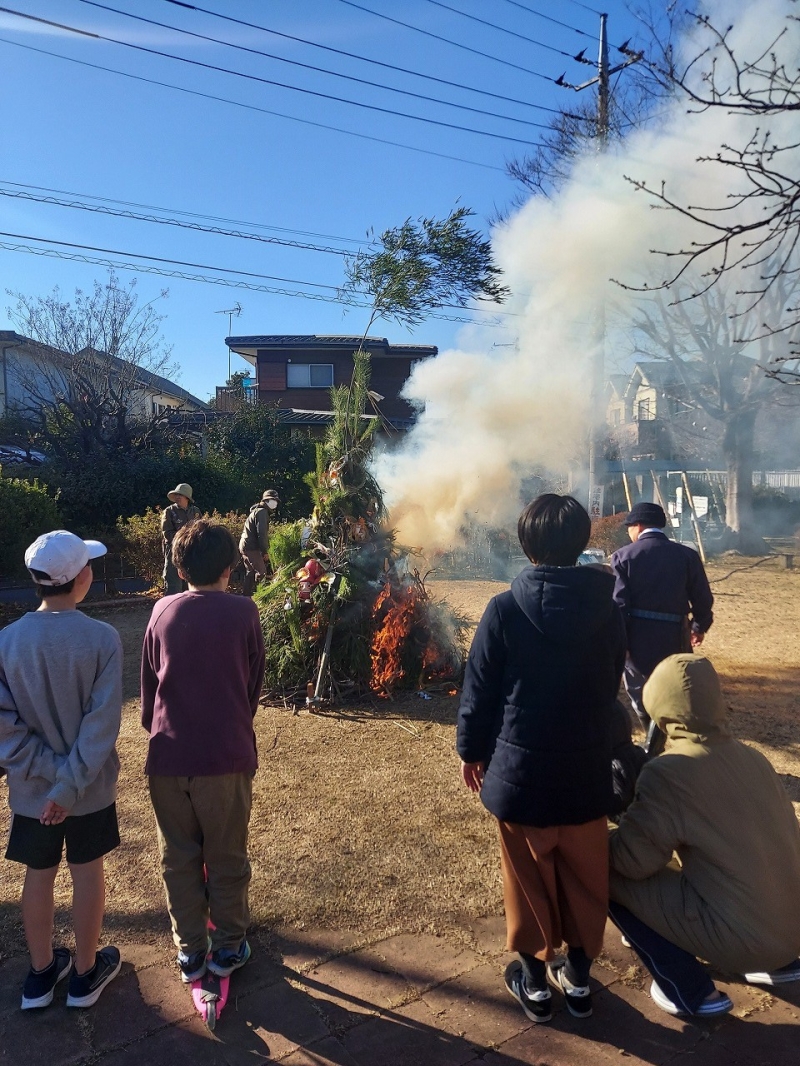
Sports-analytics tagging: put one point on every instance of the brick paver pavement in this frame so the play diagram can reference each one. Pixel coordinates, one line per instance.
(410, 1000)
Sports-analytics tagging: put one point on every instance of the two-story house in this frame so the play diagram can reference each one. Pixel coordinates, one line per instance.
(297, 371)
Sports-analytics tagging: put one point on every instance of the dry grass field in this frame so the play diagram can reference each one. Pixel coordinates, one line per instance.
(360, 822)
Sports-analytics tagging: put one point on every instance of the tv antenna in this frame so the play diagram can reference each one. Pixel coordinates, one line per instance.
(231, 312)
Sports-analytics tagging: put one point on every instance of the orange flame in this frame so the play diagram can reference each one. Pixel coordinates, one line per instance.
(398, 608)
(403, 639)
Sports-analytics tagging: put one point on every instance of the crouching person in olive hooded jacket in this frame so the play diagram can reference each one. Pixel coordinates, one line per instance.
(720, 807)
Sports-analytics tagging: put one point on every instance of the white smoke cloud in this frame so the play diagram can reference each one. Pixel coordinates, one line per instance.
(513, 402)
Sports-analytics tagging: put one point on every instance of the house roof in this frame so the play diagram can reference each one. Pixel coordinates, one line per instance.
(295, 416)
(656, 372)
(378, 346)
(144, 377)
(617, 383)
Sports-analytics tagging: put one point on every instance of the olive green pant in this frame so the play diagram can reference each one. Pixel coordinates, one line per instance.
(202, 827)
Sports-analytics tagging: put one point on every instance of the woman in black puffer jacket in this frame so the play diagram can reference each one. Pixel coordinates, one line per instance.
(534, 736)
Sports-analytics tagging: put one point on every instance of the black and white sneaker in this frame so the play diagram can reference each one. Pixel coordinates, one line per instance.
(86, 988)
(782, 976)
(577, 998)
(536, 1004)
(193, 967)
(223, 961)
(40, 984)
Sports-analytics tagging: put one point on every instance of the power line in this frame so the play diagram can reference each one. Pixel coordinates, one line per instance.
(231, 283)
(311, 66)
(75, 257)
(251, 107)
(549, 18)
(178, 211)
(501, 29)
(586, 7)
(363, 59)
(102, 209)
(257, 78)
(161, 259)
(446, 40)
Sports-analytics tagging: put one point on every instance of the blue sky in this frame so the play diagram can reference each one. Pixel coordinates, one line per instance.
(80, 130)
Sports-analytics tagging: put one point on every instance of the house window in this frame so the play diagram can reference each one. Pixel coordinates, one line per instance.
(309, 375)
(643, 411)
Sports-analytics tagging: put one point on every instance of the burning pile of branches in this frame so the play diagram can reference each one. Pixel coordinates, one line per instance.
(415, 640)
(343, 615)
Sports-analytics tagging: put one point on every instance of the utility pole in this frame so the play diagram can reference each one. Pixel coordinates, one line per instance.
(602, 81)
(595, 488)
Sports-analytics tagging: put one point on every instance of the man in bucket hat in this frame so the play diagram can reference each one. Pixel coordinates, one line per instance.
(658, 584)
(254, 541)
(180, 513)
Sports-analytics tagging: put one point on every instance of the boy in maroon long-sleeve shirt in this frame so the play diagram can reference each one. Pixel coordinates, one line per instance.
(202, 671)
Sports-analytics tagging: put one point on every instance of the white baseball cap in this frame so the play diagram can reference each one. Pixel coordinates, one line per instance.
(61, 555)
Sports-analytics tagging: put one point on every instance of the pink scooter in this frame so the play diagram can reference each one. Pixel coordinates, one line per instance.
(210, 993)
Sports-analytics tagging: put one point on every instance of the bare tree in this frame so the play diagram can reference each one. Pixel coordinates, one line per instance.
(755, 234)
(721, 373)
(83, 379)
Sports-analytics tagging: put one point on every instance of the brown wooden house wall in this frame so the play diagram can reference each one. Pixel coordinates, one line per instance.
(389, 374)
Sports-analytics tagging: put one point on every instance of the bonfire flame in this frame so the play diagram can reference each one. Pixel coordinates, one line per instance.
(404, 650)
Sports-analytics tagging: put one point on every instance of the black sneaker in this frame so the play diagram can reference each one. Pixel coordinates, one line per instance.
(536, 1004)
(578, 999)
(193, 967)
(40, 984)
(85, 988)
(223, 961)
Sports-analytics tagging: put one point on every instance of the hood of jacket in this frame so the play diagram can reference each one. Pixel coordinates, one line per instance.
(565, 603)
(684, 699)
(260, 506)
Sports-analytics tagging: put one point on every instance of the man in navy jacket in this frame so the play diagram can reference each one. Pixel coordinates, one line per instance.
(658, 583)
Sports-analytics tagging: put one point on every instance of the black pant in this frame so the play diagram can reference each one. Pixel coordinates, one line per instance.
(678, 974)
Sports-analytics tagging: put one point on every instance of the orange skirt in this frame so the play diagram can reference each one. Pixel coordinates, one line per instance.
(555, 887)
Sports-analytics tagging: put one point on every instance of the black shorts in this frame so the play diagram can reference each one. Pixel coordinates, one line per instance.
(87, 836)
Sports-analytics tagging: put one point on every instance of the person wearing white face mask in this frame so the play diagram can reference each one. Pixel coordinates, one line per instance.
(254, 541)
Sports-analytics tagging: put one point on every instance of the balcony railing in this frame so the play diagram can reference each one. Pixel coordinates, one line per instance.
(232, 398)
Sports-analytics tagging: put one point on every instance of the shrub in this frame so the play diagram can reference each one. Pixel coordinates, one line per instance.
(26, 511)
(609, 533)
(141, 539)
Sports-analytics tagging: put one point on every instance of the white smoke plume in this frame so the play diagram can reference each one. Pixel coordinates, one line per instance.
(513, 402)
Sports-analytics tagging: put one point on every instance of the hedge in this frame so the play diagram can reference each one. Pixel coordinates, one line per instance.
(26, 511)
(141, 544)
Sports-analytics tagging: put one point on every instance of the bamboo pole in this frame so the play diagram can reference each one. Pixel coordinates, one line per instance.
(627, 488)
(693, 513)
(657, 488)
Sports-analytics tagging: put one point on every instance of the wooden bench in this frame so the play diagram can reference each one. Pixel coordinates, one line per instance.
(787, 560)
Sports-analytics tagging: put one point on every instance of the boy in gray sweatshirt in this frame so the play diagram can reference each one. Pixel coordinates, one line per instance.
(60, 710)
